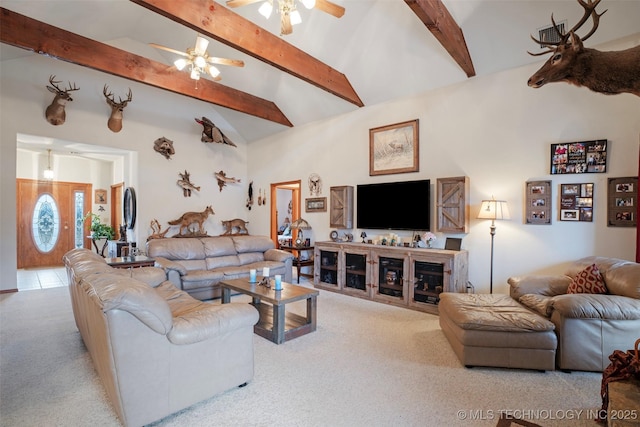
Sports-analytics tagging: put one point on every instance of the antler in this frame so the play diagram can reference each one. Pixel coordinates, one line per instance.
(111, 101)
(55, 87)
(589, 10)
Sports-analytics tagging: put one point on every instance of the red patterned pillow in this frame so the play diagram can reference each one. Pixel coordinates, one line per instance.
(588, 281)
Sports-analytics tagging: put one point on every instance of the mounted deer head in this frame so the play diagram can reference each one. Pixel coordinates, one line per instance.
(55, 113)
(115, 119)
(604, 72)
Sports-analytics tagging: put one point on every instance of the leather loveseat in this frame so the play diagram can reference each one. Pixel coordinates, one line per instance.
(198, 264)
(156, 349)
(589, 326)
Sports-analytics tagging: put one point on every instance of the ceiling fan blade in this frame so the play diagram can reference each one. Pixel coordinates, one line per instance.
(201, 45)
(330, 8)
(285, 24)
(238, 3)
(168, 49)
(225, 61)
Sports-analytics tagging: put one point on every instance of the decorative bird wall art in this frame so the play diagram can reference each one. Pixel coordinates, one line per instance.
(211, 133)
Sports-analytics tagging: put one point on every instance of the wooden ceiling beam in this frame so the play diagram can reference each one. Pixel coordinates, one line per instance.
(27, 33)
(214, 20)
(439, 21)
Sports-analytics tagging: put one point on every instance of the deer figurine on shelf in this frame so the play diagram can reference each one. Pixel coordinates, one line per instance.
(604, 72)
(55, 113)
(115, 119)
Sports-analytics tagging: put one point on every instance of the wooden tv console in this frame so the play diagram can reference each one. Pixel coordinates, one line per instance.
(402, 276)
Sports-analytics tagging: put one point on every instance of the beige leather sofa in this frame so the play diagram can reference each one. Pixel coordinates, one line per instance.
(156, 349)
(540, 326)
(197, 265)
(589, 326)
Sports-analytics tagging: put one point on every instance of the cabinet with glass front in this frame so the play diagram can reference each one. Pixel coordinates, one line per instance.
(402, 276)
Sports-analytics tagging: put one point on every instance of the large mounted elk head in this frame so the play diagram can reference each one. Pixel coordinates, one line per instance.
(115, 119)
(55, 113)
(603, 72)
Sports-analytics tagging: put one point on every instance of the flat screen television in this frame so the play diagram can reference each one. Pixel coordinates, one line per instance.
(404, 205)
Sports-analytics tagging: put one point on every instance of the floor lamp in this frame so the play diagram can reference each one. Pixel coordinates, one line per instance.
(493, 209)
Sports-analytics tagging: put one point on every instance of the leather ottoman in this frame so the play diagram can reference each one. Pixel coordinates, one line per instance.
(495, 330)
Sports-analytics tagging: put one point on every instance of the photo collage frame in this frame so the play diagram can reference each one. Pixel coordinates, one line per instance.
(576, 202)
(579, 157)
(622, 203)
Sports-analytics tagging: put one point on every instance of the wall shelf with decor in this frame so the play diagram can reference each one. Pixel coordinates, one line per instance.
(401, 276)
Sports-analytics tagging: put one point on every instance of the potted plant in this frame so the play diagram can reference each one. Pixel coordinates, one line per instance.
(98, 229)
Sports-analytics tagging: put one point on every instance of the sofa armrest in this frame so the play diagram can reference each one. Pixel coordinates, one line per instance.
(277, 255)
(539, 285)
(169, 265)
(597, 306)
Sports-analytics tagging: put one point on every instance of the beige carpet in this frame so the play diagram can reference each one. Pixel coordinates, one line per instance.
(368, 364)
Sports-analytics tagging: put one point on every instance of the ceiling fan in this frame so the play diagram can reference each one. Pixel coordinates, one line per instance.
(289, 14)
(199, 60)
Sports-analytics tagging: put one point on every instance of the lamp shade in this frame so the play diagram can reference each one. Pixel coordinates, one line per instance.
(494, 209)
(300, 224)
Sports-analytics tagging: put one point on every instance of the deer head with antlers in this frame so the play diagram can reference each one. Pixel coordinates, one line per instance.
(604, 72)
(115, 119)
(55, 113)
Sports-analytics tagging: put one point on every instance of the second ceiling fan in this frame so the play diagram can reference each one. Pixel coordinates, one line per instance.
(289, 14)
(199, 60)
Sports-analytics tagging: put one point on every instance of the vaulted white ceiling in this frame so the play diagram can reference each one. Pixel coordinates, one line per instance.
(381, 46)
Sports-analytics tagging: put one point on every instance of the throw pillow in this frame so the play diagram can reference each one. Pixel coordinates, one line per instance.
(588, 281)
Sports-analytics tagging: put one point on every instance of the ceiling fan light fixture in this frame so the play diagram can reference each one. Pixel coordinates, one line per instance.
(195, 74)
(266, 8)
(213, 71)
(201, 45)
(200, 61)
(309, 4)
(295, 17)
(180, 63)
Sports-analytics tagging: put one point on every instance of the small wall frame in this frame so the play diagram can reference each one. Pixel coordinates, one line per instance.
(101, 197)
(315, 204)
(622, 202)
(538, 202)
(576, 202)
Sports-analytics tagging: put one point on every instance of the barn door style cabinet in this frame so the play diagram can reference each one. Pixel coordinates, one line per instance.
(406, 277)
(452, 204)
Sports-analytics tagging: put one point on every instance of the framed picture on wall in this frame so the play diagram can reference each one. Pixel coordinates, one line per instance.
(538, 202)
(622, 202)
(394, 148)
(101, 197)
(579, 157)
(316, 204)
(576, 202)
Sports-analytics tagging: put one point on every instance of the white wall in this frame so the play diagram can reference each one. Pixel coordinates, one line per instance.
(493, 129)
(151, 114)
(497, 131)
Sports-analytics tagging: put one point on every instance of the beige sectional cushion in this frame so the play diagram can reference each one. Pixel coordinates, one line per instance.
(116, 292)
(603, 263)
(624, 279)
(541, 304)
(218, 246)
(492, 312)
(251, 257)
(223, 261)
(176, 248)
(193, 264)
(252, 243)
(548, 285)
(597, 306)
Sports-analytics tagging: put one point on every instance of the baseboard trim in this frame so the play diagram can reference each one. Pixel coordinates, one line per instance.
(8, 291)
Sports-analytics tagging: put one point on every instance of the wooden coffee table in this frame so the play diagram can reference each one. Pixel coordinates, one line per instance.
(275, 324)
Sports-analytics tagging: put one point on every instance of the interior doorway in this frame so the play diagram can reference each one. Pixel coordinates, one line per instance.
(285, 205)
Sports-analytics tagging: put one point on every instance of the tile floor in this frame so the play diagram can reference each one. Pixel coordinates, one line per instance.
(41, 278)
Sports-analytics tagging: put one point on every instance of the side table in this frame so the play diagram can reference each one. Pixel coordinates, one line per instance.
(131, 261)
(297, 261)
